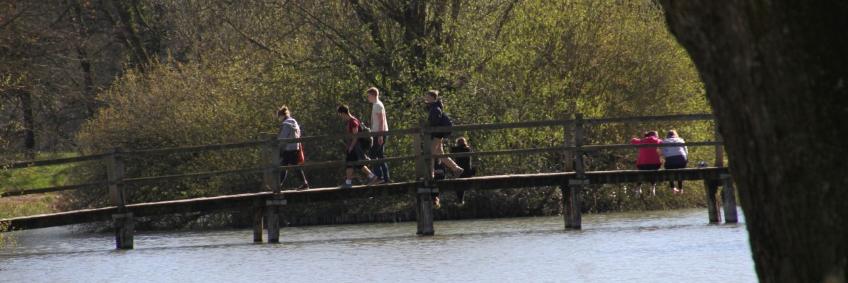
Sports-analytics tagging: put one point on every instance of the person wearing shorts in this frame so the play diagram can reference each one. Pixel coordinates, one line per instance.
(353, 151)
(291, 153)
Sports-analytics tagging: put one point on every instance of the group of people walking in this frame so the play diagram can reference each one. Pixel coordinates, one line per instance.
(359, 149)
(676, 156)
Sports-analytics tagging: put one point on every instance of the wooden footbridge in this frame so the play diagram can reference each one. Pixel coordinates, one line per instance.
(266, 204)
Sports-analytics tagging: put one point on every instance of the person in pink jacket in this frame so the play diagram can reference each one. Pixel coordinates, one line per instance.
(649, 157)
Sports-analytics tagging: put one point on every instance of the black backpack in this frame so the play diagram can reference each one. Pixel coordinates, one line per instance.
(365, 142)
(445, 120)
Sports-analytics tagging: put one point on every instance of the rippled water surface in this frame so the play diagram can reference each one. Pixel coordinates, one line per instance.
(666, 246)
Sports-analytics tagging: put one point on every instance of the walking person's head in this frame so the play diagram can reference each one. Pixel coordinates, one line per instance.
(343, 111)
(373, 94)
(671, 134)
(283, 112)
(651, 134)
(431, 96)
(462, 142)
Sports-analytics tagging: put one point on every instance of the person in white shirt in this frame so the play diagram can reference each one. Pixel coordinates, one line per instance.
(676, 157)
(378, 124)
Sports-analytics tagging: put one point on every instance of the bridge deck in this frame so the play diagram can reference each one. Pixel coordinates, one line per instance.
(228, 202)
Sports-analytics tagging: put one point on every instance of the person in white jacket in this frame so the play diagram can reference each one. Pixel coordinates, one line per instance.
(291, 152)
(676, 157)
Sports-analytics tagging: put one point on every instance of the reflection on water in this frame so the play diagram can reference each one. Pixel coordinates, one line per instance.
(667, 246)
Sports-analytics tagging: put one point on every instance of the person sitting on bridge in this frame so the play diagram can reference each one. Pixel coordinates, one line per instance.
(675, 157)
(292, 153)
(464, 162)
(353, 151)
(649, 157)
(438, 118)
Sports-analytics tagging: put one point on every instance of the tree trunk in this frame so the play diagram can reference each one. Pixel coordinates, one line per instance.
(776, 74)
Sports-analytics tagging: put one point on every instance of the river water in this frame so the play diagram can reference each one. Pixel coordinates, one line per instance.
(659, 246)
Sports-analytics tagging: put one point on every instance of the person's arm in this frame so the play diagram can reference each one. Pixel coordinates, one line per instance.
(379, 128)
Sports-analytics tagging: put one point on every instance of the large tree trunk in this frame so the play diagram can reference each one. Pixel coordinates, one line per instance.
(776, 74)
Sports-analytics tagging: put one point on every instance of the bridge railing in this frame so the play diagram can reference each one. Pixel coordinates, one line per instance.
(573, 148)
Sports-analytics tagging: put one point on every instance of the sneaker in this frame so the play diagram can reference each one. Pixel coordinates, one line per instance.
(303, 187)
(374, 181)
(458, 172)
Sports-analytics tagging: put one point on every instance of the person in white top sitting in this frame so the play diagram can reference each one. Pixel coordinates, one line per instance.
(378, 124)
(676, 157)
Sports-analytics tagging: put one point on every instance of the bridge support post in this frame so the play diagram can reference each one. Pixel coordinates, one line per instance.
(424, 211)
(258, 210)
(571, 197)
(124, 228)
(728, 199)
(713, 211)
(272, 217)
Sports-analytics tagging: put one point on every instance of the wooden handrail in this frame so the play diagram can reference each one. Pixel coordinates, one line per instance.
(417, 132)
(52, 189)
(57, 161)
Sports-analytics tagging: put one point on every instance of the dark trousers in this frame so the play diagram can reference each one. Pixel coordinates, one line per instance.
(378, 151)
(676, 162)
(289, 157)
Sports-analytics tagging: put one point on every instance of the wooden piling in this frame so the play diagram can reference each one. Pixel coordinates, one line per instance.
(424, 209)
(713, 210)
(424, 194)
(272, 217)
(571, 193)
(124, 228)
(123, 221)
(728, 197)
(258, 211)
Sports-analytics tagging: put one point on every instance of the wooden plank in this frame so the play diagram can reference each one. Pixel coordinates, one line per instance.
(218, 203)
(646, 119)
(508, 151)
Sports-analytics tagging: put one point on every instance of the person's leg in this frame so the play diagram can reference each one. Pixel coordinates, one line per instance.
(438, 148)
(383, 168)
(305, 182)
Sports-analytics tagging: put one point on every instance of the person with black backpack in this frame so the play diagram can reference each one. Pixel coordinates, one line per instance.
(438, 118)
(355, 149)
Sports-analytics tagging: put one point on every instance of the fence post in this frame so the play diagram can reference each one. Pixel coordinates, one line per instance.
(271, 181)
(719, 148)
(728, 199)
(572, 197)
(711, 189)
(424, 193)
(122, 220)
